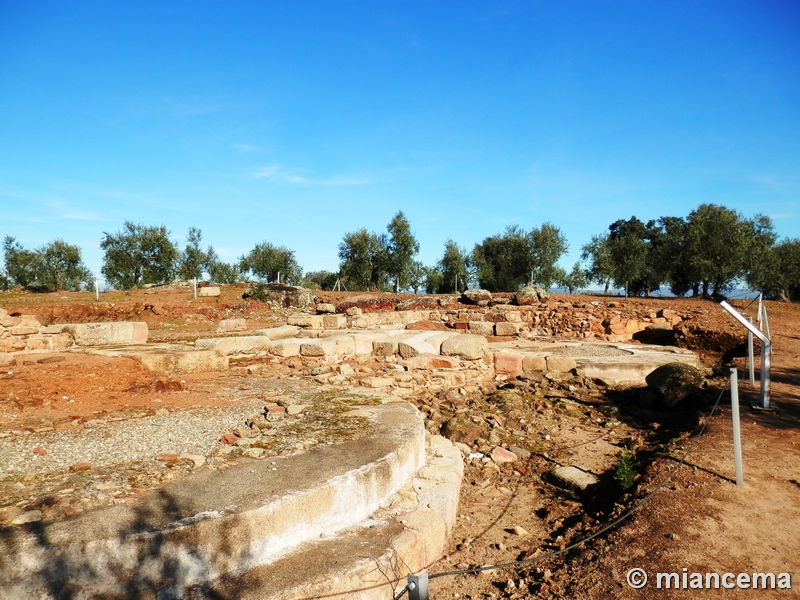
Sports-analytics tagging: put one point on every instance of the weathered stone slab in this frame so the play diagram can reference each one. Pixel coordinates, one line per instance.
(559, 362)
(278, 333)
(506, 328)
(467, 346)
(287, 347)
(334, 321)
(306, 321)
(508, 363)
(325, 308)
(232, 325)
(208, 291)
(196, 361)
(572, 478)
(107, 334)
(251, 344)
(481, 327)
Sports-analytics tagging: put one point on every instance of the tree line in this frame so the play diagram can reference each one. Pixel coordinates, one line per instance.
(704, 253)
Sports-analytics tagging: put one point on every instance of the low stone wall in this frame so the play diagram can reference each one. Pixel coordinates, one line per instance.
(607, 321)
(25, 332)
(20, 333)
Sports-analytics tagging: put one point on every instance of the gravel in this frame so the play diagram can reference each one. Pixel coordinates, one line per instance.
(195, 431)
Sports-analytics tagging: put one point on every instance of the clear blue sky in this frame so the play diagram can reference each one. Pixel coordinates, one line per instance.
(295, 122)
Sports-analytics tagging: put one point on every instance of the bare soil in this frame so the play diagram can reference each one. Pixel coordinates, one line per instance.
(699, 520)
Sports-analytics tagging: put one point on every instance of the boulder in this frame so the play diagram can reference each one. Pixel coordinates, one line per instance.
(461, 429)
(287, 295)
(467, 346)
(674, 381)
(325, 308)
(572, 478)
(479, 297)
(530, 294)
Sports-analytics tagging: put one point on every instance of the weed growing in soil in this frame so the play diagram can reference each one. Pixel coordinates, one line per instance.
(625, 470)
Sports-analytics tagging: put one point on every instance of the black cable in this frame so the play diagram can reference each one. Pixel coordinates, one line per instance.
(606, 527)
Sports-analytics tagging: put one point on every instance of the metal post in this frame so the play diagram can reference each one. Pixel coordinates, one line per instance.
(418, 586)
(194, 284)
(97, 290)
(279, 277)
(750, 360)
(737, 435)
(766, 348)
(766, 351)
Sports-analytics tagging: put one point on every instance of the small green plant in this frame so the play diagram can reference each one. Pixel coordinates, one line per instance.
(625, 470)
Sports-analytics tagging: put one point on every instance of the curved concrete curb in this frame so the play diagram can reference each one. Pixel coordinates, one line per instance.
(214, 523)
(371, 560)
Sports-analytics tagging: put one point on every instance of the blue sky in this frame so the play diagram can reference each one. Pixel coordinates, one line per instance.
(295, 122)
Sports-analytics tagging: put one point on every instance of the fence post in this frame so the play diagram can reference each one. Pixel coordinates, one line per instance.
(737, 435)
(194, 284)
(750, 360)
(97, 290)
(418, 586)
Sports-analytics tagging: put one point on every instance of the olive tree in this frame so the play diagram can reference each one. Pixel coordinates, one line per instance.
(138, 255)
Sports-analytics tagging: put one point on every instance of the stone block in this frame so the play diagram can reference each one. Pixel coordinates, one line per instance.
(334, 322)
(633, 326)
(232, 325)
(209, 291)
(377, 382)
(107, 334)
(469, 346)
(508, 363)
(305, 321)
(62, 340)
(51, 329)
(506, 328)
(428, 362)
(531, 364)
(353, 311)
(559, 362)
(384, 347)
(284, 348)
(481, 327)
(572, 478)
(23, 330)
(197, 361)
(325, 308)
(39, 342)
(251, 344)
(317, 347)
(278, 333)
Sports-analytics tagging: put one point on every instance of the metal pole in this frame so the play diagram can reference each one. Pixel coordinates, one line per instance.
(750, 360)
(418, 586)
(766, 348)
(194, 284)
(97, 290)
(737, 434)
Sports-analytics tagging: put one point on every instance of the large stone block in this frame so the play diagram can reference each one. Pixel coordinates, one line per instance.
(334, 321)
(531, 364)
(209, 291)
(481, 327)
(506, 328)
(251, 344)
(508, 363)
(467, 346)
(559, 362)
(232, 325)
(306, 321)
(107, 334)
(278, 333)
(284, 348)
(197, 361)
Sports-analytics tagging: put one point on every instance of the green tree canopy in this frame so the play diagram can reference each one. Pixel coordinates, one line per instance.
(454, 267)
(194, 260)
(368, 260)
(265, 261)
(54, 267)
(138, 255)
(401, 248)
(577, 278)
(597, 253)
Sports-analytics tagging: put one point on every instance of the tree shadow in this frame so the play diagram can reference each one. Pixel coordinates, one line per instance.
(133, 551)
